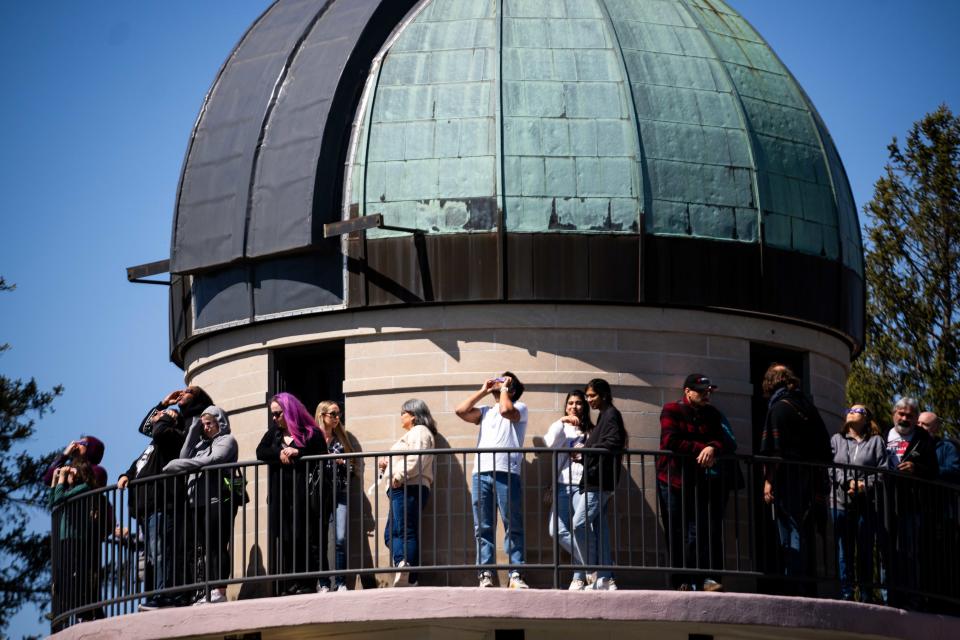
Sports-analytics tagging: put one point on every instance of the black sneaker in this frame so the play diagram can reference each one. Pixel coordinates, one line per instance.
(150, 604)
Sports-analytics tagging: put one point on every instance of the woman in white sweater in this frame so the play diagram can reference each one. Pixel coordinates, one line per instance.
(410, 479)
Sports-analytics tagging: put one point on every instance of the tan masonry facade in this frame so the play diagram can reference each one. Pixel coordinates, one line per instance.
(441, 354)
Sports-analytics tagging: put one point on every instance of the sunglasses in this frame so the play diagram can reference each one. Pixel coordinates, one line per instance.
(276, 414)
(334, 414)
(862, 412)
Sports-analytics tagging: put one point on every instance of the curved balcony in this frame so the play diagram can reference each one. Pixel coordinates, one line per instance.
(255, 531)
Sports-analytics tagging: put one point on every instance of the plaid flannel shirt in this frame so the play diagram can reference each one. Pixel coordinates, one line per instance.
(686, 429)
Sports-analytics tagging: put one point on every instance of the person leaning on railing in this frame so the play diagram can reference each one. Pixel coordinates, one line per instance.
(79, 526)
(409, 479)
(210, 500)
(87, 447)
(330, 420)
(158, 505)
(691, 499)
(854, 500)
(794, 431)
(912, 452)
(601, 474)
(566, 433)
(296, 543)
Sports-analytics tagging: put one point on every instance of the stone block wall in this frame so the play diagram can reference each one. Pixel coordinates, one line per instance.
(442, 354)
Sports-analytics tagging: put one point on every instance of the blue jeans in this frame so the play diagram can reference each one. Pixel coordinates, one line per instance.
(591, 535)
(403, 534)
(492, 491)
(854, 531)
(159, 549)
(338, 524)
(563, 508)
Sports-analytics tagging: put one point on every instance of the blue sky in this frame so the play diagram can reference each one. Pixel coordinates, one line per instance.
(99, 100)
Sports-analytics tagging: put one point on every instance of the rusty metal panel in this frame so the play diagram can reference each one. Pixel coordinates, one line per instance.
(411, 269)
(697, 272)
(614, 268)
(544, 266)
(465, 267)
(817, 300)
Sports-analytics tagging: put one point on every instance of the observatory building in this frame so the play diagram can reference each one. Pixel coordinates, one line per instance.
(630, 189)
(389, 199)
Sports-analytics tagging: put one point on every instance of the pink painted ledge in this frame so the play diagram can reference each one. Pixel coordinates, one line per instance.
(442, 604)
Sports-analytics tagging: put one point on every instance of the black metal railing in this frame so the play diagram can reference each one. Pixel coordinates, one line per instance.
(172, 540)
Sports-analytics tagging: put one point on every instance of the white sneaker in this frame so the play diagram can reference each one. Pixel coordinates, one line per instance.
(341, 587)
(486, 580)
(591, 578)
(577, 584)
(216, 596)
(516, 582)
(402, 578)
(323, 588)
(605, 584)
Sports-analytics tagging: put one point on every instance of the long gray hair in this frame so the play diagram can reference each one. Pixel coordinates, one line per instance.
(421, 414)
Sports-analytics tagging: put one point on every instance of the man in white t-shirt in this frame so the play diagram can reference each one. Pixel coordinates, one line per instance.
(496, 475)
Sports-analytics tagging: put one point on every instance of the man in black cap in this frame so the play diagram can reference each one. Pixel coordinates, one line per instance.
(691, 507)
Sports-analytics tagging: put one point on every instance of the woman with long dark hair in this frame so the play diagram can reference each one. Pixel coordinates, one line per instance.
(330, 418)
(410, 478)
(295, 531)
(601, 473)
(566, 433)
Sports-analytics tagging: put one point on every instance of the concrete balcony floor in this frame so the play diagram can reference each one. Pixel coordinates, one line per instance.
(488, 614)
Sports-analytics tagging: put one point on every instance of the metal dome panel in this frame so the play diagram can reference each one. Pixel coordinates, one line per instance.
(551, 150)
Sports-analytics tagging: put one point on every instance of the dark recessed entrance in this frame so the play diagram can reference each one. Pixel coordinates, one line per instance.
(313, 373)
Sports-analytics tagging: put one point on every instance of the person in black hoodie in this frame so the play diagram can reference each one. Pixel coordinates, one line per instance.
(158, 505)
(601, 473)
(296, 532)
(794, 431)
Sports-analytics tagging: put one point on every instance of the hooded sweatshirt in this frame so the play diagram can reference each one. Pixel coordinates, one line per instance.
(199, 451)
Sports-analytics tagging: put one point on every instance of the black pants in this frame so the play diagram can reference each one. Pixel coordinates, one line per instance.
(692, 519)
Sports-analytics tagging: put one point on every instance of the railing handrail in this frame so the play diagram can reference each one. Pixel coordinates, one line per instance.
(638, 524)
(740, 457)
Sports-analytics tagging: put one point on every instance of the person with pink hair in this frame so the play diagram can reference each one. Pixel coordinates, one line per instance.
(297, 538)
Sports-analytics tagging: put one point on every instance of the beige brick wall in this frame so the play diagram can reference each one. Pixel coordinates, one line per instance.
(442, 354)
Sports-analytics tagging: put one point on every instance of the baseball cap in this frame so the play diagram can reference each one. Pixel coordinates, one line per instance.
(698, 382)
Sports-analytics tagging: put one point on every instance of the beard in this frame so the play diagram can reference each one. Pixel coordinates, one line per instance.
(904, 428)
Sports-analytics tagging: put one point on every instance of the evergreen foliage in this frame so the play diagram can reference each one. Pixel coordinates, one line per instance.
(913, 275)
(24, 551)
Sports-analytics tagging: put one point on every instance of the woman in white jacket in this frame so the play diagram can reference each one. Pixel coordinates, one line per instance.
(212, 499)
(410, 478)
(567, 433)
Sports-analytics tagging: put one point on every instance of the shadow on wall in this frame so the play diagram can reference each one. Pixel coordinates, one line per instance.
(361, 520)
(255, 567)
(446, 530)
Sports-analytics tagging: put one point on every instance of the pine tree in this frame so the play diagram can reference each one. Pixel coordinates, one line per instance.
(913, 275)
(24, 551)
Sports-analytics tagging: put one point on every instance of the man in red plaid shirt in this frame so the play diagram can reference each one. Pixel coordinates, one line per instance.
(691, 496)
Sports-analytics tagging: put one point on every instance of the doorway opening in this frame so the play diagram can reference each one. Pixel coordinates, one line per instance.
(313, 373)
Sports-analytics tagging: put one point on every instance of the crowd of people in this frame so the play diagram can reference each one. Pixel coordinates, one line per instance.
(184, 492)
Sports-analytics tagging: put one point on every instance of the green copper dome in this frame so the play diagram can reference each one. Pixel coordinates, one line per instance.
(673, 117)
